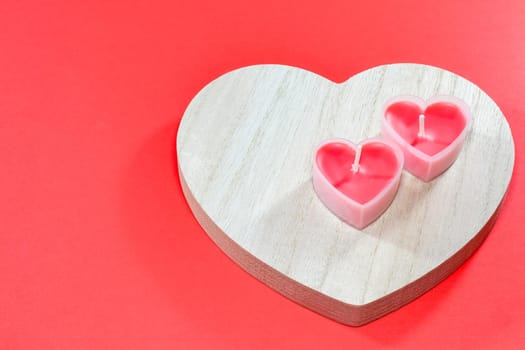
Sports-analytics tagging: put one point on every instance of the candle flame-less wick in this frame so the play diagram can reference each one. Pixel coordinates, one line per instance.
(421, 132)
(355, 166)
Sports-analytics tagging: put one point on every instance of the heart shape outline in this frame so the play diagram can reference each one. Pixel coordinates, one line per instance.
(346, 208)
(418, 163)
(465, 232)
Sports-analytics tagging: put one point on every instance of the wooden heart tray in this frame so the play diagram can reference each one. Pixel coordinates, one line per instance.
(245, 153)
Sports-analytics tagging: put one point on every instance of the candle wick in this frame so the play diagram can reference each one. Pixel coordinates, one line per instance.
(355, 165)
(421, 132)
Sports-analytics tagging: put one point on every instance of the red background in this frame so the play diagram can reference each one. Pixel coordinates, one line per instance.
(98, 248)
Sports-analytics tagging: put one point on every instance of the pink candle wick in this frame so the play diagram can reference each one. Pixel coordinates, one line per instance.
(357, 158)
(421, 132)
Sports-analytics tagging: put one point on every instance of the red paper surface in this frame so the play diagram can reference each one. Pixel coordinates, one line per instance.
(98, 248)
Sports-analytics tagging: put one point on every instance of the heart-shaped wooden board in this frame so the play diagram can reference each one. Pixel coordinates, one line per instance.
(245, 150)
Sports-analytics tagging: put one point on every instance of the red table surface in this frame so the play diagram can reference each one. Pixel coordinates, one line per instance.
(98, 248)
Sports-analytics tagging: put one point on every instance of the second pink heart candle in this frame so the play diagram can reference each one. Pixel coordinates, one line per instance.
(430, 133)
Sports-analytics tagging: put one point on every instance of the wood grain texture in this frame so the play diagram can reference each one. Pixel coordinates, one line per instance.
(245, 151)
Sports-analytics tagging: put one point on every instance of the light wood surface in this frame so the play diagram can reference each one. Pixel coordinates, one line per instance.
(245, 151)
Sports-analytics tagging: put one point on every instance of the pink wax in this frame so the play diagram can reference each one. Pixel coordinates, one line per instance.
(376, 168)
(357, 182)
(443, 123)
(430, 134)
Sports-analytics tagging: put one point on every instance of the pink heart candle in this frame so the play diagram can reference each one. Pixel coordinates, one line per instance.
(357, 182)
(430, 133)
